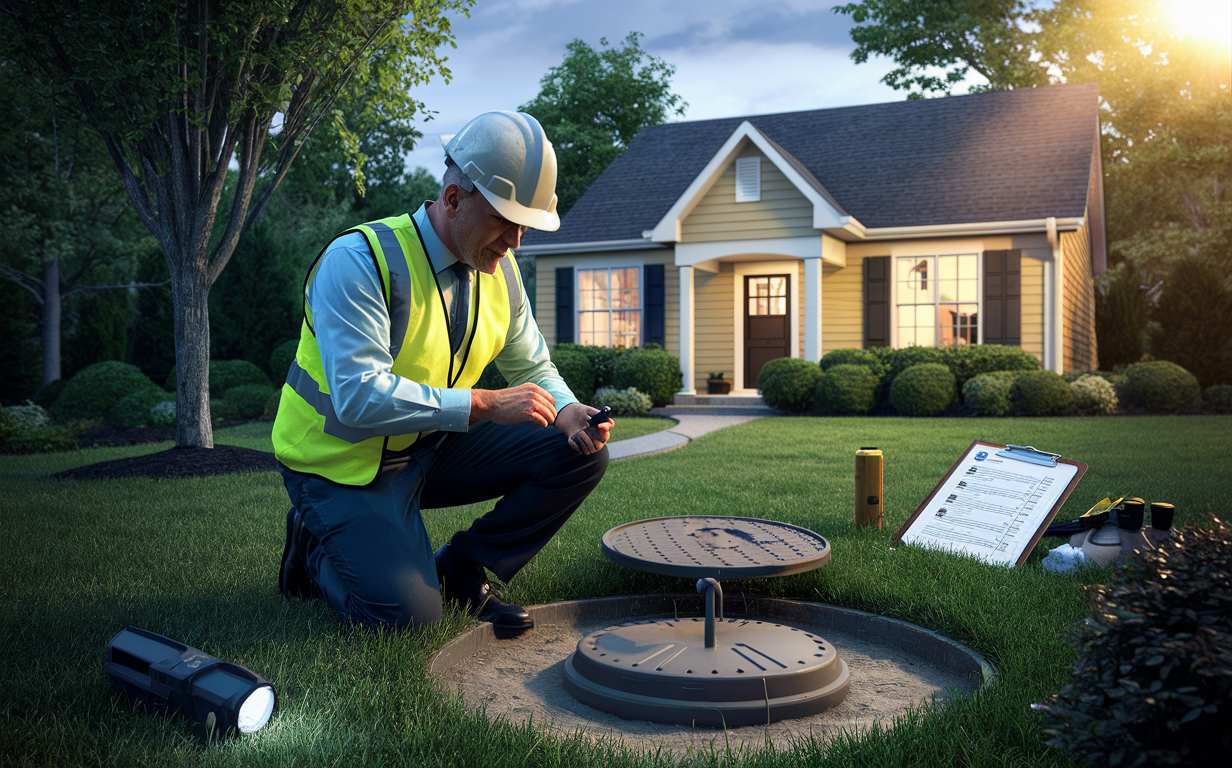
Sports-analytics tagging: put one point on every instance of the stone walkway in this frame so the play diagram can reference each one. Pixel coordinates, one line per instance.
(694, 421)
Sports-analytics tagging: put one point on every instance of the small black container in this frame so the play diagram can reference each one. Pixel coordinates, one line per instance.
(1161, 516)
(1129, 517)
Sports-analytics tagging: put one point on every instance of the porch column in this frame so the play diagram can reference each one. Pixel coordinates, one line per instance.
(686, 330)
(812, 309)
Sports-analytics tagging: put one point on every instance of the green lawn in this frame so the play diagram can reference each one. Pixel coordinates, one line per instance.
(197, 559)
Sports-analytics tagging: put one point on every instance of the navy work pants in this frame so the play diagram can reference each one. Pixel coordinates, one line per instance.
(367, 551)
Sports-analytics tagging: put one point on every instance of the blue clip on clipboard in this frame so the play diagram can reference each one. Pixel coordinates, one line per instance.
(1029, 454)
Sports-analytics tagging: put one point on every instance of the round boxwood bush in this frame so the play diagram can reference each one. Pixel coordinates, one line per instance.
(221, 410)
(133, 410)
(967, 362)
(989, 393)
(46, 396)
(1160, 387)
(848, 388)
(270, 412)
(95, 390)
(789, 383)
(1041, 393)
(602, 358)
(623, 402)
(576, 369)
(225, 374)
(163, 414)
(907, 357)
(247, 401)
(651, 370)
(280, 359)
(1218, 398)
(1093, 395)
(926, 389)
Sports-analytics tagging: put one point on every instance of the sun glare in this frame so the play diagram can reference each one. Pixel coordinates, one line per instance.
(1208, 20)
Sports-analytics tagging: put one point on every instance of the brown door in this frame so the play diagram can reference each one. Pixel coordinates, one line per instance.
(766, 331)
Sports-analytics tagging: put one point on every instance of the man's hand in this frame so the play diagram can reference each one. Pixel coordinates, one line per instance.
(574, 422)
(516, 405)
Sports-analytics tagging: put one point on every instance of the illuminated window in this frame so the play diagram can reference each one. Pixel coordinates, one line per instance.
(610, 306)
(938, 300)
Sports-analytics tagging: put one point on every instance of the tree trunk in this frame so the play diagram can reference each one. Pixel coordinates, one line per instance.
(51, 321)
(190, 293)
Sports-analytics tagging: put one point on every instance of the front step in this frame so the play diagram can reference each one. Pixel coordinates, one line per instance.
(730, 400)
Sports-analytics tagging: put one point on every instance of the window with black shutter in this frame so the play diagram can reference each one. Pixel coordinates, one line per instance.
(564, 305)
(877, 302)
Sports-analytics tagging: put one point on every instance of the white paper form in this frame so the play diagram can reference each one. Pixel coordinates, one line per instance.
(990, 506)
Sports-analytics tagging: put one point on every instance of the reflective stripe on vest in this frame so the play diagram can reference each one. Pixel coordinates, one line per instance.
(399, 288)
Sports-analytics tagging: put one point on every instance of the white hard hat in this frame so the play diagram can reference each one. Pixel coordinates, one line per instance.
(513, 165)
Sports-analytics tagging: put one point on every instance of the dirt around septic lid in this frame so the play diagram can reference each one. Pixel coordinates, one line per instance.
(894, 666)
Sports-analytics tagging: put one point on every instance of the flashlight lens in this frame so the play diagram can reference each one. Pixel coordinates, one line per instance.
(256, 710)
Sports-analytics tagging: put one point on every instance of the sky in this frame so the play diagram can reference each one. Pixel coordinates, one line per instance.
(732, 57)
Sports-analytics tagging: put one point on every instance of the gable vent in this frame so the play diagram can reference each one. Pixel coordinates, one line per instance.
(748, 179)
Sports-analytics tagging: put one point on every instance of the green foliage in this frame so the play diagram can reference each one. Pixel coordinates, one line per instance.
(48, 394)
(848, 388)
(988, 394)
(133, 410)
(100, 331)
(491, 378)
(602, 358)
(1195, 317)
(96, 389)
(648, 370)
(27, 429)
(280, 359)
(623, 402)
(594, 102)
(163, 414)
(221, 410)
(902, 359)
(575, 368)
(1153, 680)
(1093, 395)
(248, 401)
(1218, 398)
(225, 374)
(938, 43)
(965, 362)
(877, 360)
(789, 383)
(19, 361)
(925, 389)
(270, 411)
(1160, 387)
(1041, 393)
(22, 418)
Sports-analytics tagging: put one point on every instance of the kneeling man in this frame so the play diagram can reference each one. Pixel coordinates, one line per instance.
(378, 417)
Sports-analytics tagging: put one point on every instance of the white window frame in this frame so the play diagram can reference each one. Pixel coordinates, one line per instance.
(955, 249)
(610, 264)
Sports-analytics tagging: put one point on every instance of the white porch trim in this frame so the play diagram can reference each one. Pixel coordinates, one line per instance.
(686, 330)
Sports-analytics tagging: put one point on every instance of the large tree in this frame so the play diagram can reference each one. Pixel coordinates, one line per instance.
(594, 102)
(180, 91)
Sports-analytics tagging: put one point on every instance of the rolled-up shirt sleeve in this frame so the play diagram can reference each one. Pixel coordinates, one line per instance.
(352, 329)
(525, 358)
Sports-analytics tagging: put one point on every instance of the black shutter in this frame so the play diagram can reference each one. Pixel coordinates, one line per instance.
(564, 305)
(877, 302)
(1003, 297)
(655, 329)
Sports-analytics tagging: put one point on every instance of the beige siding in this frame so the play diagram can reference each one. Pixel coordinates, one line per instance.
(842, 305)
(1033, 307)
(1078, 314)
(713, 325)
(782, 211)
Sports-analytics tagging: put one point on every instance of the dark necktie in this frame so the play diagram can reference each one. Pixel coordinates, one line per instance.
(460, 311)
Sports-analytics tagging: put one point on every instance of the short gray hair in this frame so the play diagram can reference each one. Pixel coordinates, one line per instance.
(454, 175)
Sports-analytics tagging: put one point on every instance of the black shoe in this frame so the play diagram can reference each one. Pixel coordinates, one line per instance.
(464, 583)
(293, 578)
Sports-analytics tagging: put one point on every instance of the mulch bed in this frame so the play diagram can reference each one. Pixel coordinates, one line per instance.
(178, 462)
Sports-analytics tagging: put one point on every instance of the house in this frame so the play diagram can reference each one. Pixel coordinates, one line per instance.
(973, 219)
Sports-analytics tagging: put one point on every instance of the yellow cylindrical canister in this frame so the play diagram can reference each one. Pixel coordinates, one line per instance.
(868, 487)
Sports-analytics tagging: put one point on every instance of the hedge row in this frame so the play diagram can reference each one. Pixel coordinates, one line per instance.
(586, 369)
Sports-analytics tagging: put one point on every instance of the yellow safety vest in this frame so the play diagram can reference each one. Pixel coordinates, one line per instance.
(308, 437)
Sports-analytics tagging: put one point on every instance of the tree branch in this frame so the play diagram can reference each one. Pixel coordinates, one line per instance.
(82, 288)
(31, 284)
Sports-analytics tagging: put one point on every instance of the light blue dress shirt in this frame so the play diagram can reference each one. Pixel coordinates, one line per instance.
(352, 329)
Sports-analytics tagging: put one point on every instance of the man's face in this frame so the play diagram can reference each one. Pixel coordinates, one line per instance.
(482, 235)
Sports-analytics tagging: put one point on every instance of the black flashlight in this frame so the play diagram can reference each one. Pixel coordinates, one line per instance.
(155, 671)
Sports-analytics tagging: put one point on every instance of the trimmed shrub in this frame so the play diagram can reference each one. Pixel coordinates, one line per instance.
(247, 401)
(270, 411)
(1219, 398)
(1041, 393)
(649, 370)
(26, 428)
(47, 395)
(902, 359)
(280, 360)
(163, 414)
(225, 374)
(576, 369)
(1093, 396)
(133, 410)
(967, 362)
(95, 390)
(24, 416)
(221, 410)
(1153, 679)
(926, 389)
(789, 383)
(1160, 387)
(989, 393)
(602, 358)
(491, 378)
(624, 402)
(852, 356)
(848, 388)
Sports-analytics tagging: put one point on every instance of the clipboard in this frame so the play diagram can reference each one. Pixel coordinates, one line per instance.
(999, 500)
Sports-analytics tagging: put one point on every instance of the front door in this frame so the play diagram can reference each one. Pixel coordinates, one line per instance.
(766, 331)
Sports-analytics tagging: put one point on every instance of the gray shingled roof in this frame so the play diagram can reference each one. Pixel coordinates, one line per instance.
(999, 156)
